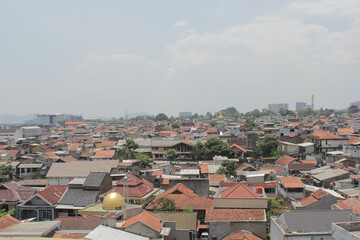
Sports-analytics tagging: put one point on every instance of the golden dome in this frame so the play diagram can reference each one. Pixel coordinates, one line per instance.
(113, 201)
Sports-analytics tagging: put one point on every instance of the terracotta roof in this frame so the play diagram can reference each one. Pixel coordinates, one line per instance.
(158, 173)
(309, 200)
(324, 135)
(204, 168)
(241, 235)
(239, 190)
(272, 167)
(7, 221)
(70, 235)
(147, 219)
(235, 215)
(354, 140)
(319, 193)
(68, 159)
(285, 160)
(87, 222)
(108, 144)
(217, 178)
(52, 193)
(309, 161)
(345, 130)
(105, 153)
(238, 147)
(352, 203)
(291, 182)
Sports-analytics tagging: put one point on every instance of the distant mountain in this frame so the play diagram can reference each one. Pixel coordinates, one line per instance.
(8, 118)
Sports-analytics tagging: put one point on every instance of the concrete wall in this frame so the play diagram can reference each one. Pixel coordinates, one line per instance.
(59, 181)
(295, 195)
(342, 231)
(199, 186)
(240, 203)
(141, 229)
(177, 234)
(222, 229)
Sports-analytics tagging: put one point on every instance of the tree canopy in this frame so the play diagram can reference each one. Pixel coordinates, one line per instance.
(228, 168)
(128, 150)
(161, 117)
(171, 154)
(165, 204)
(7, 173)
(267, 147)
(212, 147)
(353, 109)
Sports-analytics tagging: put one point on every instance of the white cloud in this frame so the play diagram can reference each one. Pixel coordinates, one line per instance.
(180, 23)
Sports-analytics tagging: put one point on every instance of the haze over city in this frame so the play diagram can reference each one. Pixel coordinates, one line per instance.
(100, 58)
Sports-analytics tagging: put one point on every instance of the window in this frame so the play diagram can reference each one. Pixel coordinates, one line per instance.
(46, 214)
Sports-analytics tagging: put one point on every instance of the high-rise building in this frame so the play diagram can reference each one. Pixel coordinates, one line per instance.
(300, 105)
(278, 107)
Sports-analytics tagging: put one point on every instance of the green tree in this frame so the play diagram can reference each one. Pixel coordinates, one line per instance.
(3, 212)
(128, 150)
(188, 209)
(145, 159)
(7, 173)
(266, 147)
(216, 147)
(303, 112)
(171, 154)
(175, 125)
(275, 208)
(200, 151)
(353, 109)
(250, 125)
(228, 168)
(165, 204)
(161, 117)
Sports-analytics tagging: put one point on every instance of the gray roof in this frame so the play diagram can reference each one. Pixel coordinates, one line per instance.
(80, 168)
(314, 220)
(104, 233)
(79, 197)
(31, 229)
(95, 179)
(332, 173)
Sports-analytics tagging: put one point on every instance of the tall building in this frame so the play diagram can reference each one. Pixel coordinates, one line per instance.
(278, 107)
(300, 105)
(48, 119)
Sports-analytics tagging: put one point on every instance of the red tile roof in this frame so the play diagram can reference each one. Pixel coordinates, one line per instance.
(352, 203)
(217, 178)
(204, 169)
(7, 221)
(285, 160)
(239, 190)
(147, 219)
(52, 194)
(291, 182)
(105, 153)
(354, 140)
(325, 135)
(14, 192)
(235, 215)
(238, 148)
(345, 130)
(241, 235)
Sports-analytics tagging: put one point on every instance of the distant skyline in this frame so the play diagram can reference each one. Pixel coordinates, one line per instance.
(99, 58)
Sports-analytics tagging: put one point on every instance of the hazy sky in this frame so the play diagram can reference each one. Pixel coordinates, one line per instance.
(97, 58)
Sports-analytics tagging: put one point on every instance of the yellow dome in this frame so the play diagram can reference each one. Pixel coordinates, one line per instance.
(113, 201)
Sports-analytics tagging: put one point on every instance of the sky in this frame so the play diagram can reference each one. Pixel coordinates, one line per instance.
(98, 58)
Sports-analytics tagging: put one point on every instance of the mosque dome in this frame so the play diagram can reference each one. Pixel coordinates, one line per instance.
(113, 201)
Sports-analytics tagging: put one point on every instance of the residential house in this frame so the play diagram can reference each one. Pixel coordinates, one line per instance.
(326, 141)
(12, 193)
(7, 221)
(25, 230)
(83, 192)
(352, 203)
(346, 231)
(63, 173)
(353, 147)
(291, 187)
(319, 199)
(41, 205)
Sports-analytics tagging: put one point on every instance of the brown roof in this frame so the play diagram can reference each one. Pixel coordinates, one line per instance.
(324, 135)
(7, 221)
(345, 130)
(291, 182)
(217, 178)
(14, 192)
(352, 203)
(80, 168)
(147, 219)
(105, 153)
(87, 222)
(239, 191)
(285, 160)
(52, 194)
(354, 140)
(241, 235)
(235, 215)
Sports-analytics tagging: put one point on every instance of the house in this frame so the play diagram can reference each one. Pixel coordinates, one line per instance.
(104, 155)
(312, 224)
(241, 235)
(291, 187)
(285, 160)
(87, 222)
(215, 180)
(103, 233)
(134, 190)
(238, 151)
(346, 230)
(10, 155)
(83, 192)
(239, 195)
(297, 149)
(183, 224)
(327, 176)
(63, 173)
(352, 203)
(353, 147)
(319, 199)
(12, 193)
(326, 141)
(224, 221)
(184, 197)
(144, 224)
(41, 205)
